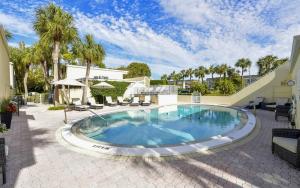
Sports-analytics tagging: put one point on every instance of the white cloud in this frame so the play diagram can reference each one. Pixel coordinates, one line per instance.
(136, 39)
(229, 26)
(16, 25)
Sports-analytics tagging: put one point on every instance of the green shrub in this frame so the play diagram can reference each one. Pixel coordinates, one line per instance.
(120, 88)
(56, 108)
(158, 82)
(199, 87)
(225, 87)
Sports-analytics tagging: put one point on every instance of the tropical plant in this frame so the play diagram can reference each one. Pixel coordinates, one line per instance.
(212, 71)
(8, 34)
(164, 79)
(43, 57)
(269, 63)
(200, 73)
(16, 55)
(223, 70)
(55, 27)
(225, 87)
(136, 69)
(91, 53)
(243, 63)
(190, 72)
(199, 87)
(28, 59)
(7, 106)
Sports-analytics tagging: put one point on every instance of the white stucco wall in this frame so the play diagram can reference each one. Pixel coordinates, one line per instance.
(167, 99)
(4, 66)
(76, 72)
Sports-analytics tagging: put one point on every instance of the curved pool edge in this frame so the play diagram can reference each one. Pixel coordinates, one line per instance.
(214, 142)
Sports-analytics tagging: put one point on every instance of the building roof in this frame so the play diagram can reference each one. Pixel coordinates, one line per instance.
(97, 68)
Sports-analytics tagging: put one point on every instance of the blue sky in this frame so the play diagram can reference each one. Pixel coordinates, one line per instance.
(172, 34)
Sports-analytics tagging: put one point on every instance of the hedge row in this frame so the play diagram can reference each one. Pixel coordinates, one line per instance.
(120, 88)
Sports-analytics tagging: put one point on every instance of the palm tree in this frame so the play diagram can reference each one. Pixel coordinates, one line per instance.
(8, 34)
(91, 53)
(243, 64)
(164, 77)
(190, 73)
(248, 64)
(55, 27)
(212, 70)
(43, 56)
(200, 73)
(177, 77)
(27, 60)
(223, 70)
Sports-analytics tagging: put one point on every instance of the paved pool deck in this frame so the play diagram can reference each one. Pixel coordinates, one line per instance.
(38, 158)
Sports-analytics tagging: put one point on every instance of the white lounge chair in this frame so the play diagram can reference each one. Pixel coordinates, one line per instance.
(121, 101)
(79, 106)
(147, 101)
(257, 102)
(109, 101)
(135, 102)
(93, 103)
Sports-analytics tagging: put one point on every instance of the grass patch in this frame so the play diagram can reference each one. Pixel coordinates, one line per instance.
(56, 108)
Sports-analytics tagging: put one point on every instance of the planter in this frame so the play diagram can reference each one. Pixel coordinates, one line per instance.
(6, 118)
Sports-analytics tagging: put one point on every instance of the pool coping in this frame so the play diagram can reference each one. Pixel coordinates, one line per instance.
(214, 142)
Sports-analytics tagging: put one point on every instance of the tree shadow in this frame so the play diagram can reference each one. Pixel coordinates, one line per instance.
(22, 142)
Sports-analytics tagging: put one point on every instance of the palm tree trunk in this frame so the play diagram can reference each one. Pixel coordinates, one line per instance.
(55, 56)
(202, 80)
(250, 80)
(243, 78)
(47, 82)
(25, 84)
(87, 75)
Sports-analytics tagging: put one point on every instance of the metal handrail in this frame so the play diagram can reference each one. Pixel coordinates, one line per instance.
(98, 115)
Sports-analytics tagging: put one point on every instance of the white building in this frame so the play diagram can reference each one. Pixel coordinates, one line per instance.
(75, 72)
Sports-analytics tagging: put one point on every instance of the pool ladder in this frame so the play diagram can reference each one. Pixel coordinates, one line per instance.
(106, 122)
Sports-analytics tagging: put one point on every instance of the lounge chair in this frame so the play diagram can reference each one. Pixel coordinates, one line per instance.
(147, 101)
(257, 103)
(135, 101)
(110, 102)
(282, 101)
(286, 144)
(93, 104)
(283, 110)
(121, 101)
(79, 106)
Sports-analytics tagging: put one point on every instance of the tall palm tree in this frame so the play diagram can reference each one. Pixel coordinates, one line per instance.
(91, 53)
(223, 70)
(43, 56)
(212, 70)
(200, 73)
(248, 64)
(243, 64)
(190, 73)
(56, 27)
(27, 60)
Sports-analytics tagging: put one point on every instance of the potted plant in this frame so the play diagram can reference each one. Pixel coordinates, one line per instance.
(6, 109)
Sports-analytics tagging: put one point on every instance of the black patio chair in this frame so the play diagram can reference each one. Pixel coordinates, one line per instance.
(283, 110)
(286, 144)
(3, 159)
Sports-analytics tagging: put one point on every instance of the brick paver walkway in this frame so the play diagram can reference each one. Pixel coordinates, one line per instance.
(36, 159)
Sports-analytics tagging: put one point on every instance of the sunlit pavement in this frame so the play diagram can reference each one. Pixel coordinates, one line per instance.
(37, 159)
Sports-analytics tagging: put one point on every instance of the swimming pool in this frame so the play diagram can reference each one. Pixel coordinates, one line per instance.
(163, 126)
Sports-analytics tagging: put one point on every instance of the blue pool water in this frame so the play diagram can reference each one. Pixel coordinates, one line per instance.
(170, 125)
